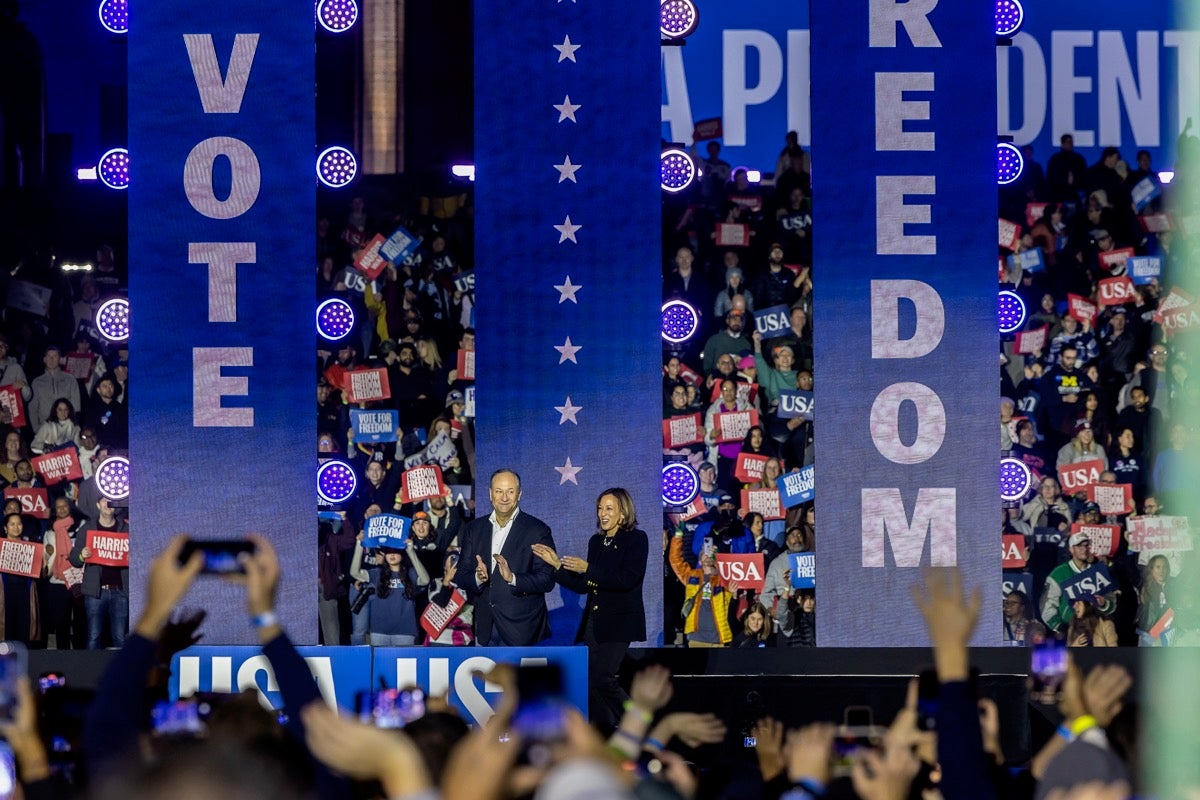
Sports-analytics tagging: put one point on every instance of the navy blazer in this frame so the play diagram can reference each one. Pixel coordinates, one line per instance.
(517, 612)
(613, 585)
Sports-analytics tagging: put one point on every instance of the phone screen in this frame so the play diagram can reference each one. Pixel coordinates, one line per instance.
(1047, 671)
(390, 708)
(540, 717)
(927, 700)
(181, 717)
(221, 556)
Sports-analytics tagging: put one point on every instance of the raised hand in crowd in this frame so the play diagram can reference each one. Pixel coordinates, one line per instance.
(364, 752)
(689, 727)
(768, 747)
(808, 753)
(23, 737)
(885, 774)
(169, 581)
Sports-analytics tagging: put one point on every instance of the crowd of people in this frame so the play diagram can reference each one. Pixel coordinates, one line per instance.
(1097, 402)
(946, 740)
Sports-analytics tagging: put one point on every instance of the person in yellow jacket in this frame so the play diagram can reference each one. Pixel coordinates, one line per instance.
(706, 598)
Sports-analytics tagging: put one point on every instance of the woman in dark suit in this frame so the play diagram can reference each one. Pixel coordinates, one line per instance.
(614, 616)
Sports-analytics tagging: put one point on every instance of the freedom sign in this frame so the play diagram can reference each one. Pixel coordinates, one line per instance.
(367, 385)
(108, 548)
(399, 246)
(762, 501)
(1014, 550)
(58, 466)
(387, 530)
(692, 510)
(797, 487)
(1094, 580)
(436, 617)
(1160, 534)
(680, 431)
(794, 403)
(13, 404)
(1105, 539)
(772, 321)
(804, 570)
(1030, 342)
(369, 261)
(1031, 260)
(34, 502)
(746, 392)
(421, 483)
(732, 426)
(18, 557)
(374, 426)
(749, 467)
(1144, 269)
(1077, 477)
(747, 569)
(1113, 498)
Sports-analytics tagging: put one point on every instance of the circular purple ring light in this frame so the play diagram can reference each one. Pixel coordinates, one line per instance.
(112, 477)
(112, 319)
(114, 15)
(336, 166)
(1009, 163)
(676, 170)
(1009, 16)
(113, 169)
(1015, 479)
(679, 321)
(335, 319)
(680, 483)
(337, 16)
(336, 482)
(1011, 311)
(677, 18)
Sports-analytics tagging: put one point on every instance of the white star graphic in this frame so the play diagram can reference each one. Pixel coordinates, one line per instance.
(567, 291)
(566, 50)
(567, 170)
(572, 1)
(567, 231)
(567, 351)
(567, 109)
(568, 472)
(568, 412)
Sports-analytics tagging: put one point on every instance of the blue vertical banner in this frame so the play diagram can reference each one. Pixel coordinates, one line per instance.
(221, 211)
(568, 228)
(905, 127)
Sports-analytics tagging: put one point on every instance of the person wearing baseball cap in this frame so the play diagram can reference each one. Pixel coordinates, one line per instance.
(1082, 447)
(1057, 611)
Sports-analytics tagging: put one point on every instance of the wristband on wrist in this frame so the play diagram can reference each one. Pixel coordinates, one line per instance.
(1065, 733)
(265, 620)
(1083, 723)
(647, 717)
(650, 741)
(626, 735)
(811, 785)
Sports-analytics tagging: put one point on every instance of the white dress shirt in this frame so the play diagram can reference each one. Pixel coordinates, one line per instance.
(499, 537)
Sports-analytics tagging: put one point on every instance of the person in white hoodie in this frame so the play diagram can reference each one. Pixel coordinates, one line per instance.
(60, 428)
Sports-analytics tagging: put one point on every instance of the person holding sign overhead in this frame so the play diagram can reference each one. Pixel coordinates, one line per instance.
(502, 577)
(396, 580)
(613, 615)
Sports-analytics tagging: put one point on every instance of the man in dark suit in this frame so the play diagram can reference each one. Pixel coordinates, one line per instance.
(501, 575)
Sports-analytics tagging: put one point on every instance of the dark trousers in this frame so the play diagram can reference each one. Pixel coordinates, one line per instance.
(606, 698)
(63, 616)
